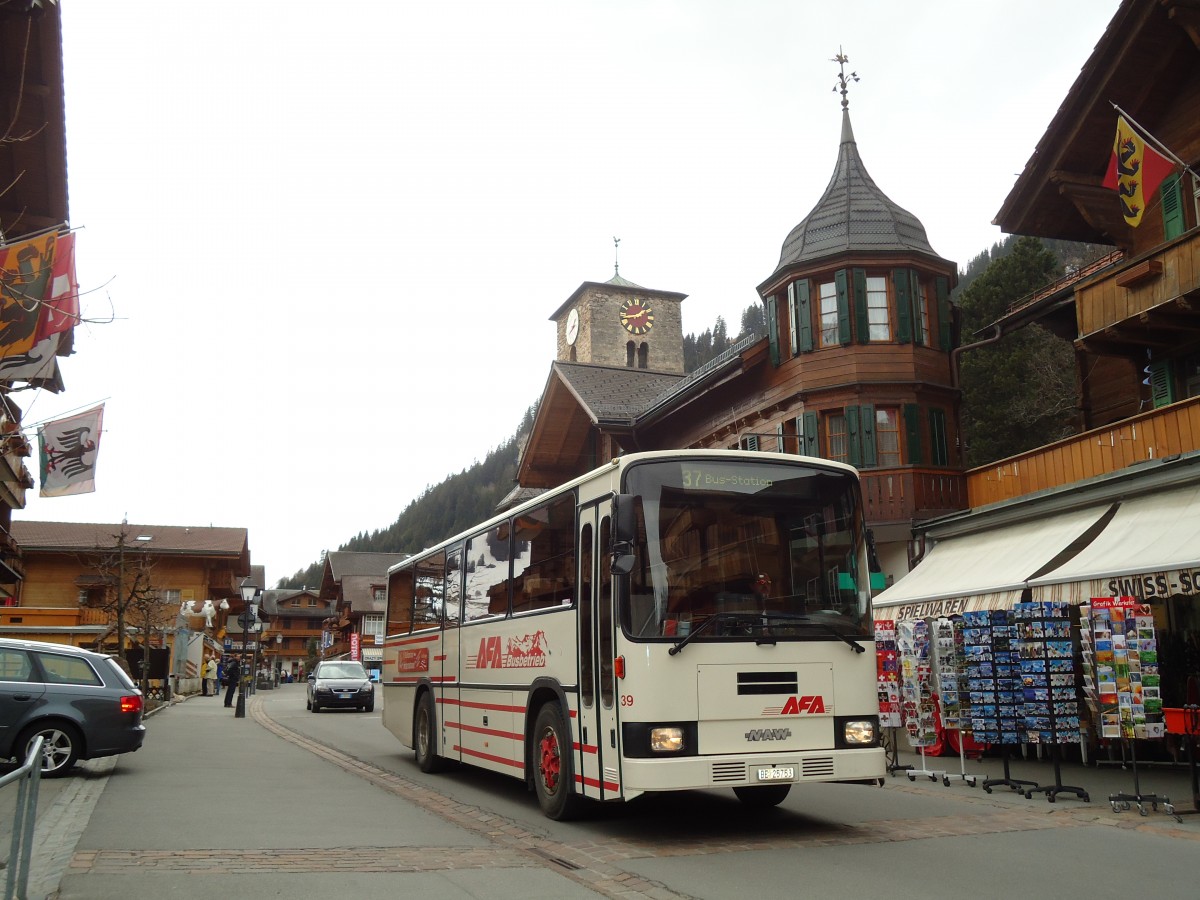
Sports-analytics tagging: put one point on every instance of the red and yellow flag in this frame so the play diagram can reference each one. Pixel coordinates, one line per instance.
(1135, 171)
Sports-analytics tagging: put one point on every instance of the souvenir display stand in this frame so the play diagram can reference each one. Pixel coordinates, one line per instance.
(1121, 684)
(992, 686)
(1050, 704)
(917, 708)
(888, 682)
(949, 653)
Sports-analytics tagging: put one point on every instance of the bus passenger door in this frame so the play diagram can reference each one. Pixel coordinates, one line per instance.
(596, 734)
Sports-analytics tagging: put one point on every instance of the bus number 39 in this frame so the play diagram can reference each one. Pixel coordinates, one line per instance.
(627, 699)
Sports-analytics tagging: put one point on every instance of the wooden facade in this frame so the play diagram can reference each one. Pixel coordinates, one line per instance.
(67, 574)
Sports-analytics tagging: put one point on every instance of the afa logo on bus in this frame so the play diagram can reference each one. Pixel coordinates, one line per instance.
(808, 704)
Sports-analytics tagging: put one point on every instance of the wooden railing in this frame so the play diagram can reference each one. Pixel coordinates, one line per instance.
(902, 494)
(1140, 284)
(1159, 433)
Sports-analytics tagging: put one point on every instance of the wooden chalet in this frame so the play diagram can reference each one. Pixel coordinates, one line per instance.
(295, 620)
(33, 173)
(1115, 509)
(857, 367)
(354, 592)
(74, 570)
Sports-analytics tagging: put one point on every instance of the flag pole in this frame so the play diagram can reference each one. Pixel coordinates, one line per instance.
(1155, 141)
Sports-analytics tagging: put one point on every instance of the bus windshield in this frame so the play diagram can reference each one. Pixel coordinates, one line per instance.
(772, 550)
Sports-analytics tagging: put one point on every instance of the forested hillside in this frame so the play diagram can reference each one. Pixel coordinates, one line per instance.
(1017, 394)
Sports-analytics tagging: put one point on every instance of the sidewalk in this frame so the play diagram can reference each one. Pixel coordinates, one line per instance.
(213, 805)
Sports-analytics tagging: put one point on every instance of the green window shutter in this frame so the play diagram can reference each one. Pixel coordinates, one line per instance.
(912, 432)
(939, 446)
(773, 330)
(945, 333)
(914, 295)
(779, 438)
(860, 306)
(811, 445)
(853, 436)
(867, 424)
(843, 302)
(904, 325)
(1174, 223)
(1162, 384)
(804, 313)
(793, 317)
(750, 442)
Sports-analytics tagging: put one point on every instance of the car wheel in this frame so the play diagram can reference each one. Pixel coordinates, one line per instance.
(553, 772)
(764, 796)
(370, 707)
(425, 736)
(61, 744)
(315, 707)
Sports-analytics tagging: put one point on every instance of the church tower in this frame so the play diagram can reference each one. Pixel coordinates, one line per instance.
(621, 324)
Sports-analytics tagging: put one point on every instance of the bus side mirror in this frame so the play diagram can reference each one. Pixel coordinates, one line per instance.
(624, 531)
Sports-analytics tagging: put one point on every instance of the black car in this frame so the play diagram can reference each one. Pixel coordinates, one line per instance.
(82, 704)
(337, 682)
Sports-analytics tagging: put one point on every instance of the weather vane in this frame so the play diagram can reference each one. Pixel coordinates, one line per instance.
(844, 80)
(616, 256)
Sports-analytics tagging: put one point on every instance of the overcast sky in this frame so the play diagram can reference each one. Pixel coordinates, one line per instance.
(320, 242)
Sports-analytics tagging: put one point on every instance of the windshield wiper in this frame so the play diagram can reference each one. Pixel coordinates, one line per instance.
(808, 620)
(715, 617)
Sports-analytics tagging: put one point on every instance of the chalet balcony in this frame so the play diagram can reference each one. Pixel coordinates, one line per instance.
(1145, 301)
(898, 496)
(1163, 432)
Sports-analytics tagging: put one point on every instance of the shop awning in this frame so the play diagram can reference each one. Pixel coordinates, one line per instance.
(1151, 548)
(372, 654)
(984, 569)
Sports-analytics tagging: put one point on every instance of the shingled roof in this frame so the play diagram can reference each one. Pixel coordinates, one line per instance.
(612, 393)
(852, 216)
(75, 536)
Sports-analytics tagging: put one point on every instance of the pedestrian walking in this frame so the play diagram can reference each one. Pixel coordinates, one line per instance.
(210, 677)
(233, 672)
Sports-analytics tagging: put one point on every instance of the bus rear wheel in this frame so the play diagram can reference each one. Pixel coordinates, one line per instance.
(425, 736)
(553, 773)
(762, 796)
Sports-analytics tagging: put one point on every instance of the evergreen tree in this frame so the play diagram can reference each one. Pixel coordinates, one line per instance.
(1018, 393)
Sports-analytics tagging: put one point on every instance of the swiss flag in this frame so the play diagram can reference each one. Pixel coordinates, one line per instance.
(61, 308)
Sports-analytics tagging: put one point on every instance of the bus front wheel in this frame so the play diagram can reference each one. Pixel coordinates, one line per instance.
(425, 736)
(762, 797)
(553, 773)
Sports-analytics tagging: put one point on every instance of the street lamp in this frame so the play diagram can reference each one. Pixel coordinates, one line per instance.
(249, 614)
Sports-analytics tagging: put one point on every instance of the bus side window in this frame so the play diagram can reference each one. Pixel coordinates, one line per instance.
(453, 591)
(486, 589)
(400, 601)
(544, 557)
(428, 596)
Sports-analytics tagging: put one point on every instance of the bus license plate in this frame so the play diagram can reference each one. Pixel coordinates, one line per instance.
(778, 773)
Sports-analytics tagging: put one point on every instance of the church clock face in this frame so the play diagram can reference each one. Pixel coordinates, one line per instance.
(636, 316)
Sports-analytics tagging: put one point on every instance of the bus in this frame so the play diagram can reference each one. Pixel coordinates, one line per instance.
(685, 619)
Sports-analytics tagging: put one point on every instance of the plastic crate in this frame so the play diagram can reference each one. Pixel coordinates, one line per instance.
(1182, 721)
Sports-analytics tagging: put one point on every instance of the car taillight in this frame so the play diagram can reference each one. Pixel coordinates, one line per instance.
(131, 703)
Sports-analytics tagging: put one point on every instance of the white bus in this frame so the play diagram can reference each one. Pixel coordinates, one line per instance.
(673, 620)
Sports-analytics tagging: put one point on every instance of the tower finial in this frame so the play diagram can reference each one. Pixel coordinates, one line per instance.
(844, 80)
(616, 257)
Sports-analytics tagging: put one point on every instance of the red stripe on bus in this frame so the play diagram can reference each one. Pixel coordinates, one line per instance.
(593, 782)
(426, 639)
(492, 706)
(488, 731)
(586, 748)
(516, 764)
(441, 679)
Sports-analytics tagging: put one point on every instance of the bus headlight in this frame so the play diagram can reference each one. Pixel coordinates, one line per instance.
(858, 731)
(668, 739)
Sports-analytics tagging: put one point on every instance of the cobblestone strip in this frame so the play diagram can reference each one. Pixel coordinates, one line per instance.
(59, 829)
